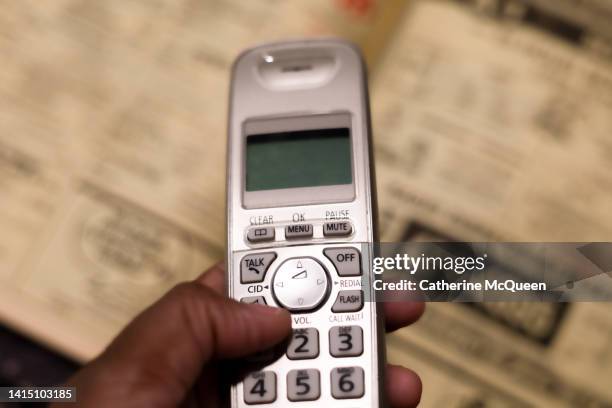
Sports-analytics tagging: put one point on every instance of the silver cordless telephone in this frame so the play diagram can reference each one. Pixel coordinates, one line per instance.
(301, 221)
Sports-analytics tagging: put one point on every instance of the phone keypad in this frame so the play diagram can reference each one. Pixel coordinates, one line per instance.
(303, 284)
(303, 385)
(260, 387)
(304, 344)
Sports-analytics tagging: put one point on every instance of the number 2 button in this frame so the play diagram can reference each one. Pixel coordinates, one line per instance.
(304, 344)
(260, 387)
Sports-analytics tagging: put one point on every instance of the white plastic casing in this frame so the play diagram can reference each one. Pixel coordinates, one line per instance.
(302, 83)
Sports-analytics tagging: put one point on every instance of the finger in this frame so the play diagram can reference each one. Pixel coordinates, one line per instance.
(403, 387)
(400, 314)
(166, 346)
(214, 278)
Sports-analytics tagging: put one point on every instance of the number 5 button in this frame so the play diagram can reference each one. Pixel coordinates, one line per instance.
(304, 344)
(303, 385)
(345, 341)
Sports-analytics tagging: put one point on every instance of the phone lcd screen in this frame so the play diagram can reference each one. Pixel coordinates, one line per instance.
(306, 158)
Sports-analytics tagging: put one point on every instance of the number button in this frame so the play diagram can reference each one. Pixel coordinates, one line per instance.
(347, 382)
(260, 387)
(345, 341)
(304, 344)
(303, 385)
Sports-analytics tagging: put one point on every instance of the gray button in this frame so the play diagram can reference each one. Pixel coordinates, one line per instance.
(260, 300)
(346, 260)
(337, 229)
(303, 385)
(348, 301)
(345, 341)
(304, 344)
(253, 267)
(260, 387)
(260, 234)
(347, 382)
(298, 231)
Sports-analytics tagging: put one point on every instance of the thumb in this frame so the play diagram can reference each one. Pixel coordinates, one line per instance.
(168, 344)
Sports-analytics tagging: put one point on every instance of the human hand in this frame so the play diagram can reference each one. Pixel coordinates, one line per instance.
(174, 352)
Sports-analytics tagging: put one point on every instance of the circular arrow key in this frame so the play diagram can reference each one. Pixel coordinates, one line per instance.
(300, 284)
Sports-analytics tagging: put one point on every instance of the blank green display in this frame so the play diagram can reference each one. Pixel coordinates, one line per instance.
(307, 158)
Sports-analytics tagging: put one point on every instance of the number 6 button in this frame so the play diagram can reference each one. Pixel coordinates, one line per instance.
(345, 341)
(347, 382)
(304, 344)
(303, 385)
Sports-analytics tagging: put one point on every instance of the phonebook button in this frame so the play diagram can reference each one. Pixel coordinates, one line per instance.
(260, 234)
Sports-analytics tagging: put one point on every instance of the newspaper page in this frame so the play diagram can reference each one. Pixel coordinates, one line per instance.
(490, 128)
(112, 150)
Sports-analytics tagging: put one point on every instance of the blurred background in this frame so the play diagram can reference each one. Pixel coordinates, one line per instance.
(492, 122)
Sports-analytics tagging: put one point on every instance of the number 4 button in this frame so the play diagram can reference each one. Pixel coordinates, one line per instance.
(260, 387)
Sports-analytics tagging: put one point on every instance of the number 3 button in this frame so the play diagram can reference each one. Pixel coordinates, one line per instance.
(304, 344)
(345, 341)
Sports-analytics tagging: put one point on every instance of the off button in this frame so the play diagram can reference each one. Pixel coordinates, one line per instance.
(346, 260)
